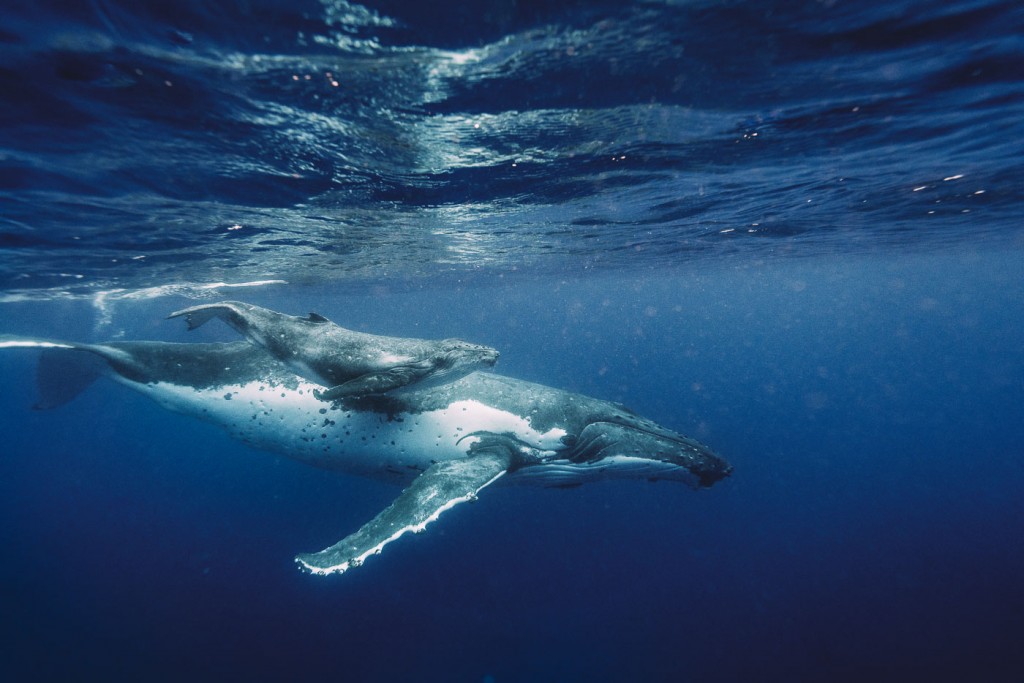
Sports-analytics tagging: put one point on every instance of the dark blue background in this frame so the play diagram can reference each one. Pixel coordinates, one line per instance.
(871, 529)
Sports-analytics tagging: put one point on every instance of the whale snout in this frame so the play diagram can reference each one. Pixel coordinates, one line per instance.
(650, 451)
(465, 357)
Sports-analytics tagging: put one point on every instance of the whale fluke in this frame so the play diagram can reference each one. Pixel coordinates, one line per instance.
(197, 316)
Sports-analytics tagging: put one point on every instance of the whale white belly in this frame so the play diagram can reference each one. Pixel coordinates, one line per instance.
(293, 422)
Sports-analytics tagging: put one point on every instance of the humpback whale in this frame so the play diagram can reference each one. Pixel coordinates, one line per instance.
(348, 363)
(443, 444)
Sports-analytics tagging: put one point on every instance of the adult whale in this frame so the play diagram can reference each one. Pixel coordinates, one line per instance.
(444, 443)
(349, 363)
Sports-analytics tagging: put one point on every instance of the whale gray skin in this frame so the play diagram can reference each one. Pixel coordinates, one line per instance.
(348, 363)
(443, 444)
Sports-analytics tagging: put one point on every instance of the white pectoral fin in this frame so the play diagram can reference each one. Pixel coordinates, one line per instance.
(441, 487)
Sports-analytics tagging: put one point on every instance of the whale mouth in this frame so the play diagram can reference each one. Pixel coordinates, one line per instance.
(647, 450)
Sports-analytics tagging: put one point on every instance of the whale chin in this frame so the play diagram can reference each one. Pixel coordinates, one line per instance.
(567, 474)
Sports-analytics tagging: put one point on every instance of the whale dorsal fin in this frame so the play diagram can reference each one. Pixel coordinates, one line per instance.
(317, 318)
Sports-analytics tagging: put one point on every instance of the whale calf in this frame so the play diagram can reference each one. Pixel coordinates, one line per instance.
(444, 444)
(349, 363)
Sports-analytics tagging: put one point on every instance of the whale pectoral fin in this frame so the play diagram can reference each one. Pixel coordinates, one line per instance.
(366, 385)
(376, 382)
(441, 487)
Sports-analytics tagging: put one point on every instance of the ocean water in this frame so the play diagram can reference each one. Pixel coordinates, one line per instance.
(792, 230)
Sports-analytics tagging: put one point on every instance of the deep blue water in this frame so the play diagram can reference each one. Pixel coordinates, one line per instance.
(791, 230)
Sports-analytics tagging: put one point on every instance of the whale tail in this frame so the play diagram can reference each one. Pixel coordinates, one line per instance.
(65, 369)
(63, 374)
(197, 316)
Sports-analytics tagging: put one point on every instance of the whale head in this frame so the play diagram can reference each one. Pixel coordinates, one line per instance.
(463, 357)
(614, 447)
(650, 451)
